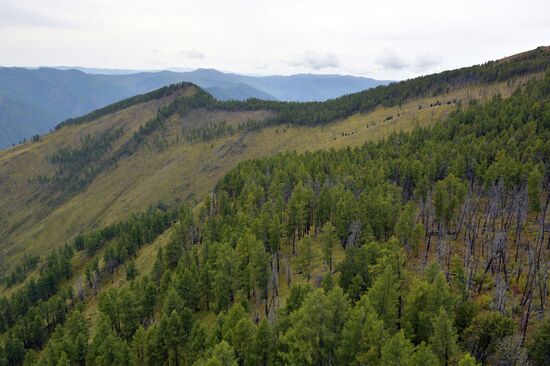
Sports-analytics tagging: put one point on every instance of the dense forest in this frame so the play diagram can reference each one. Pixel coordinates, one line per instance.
(428, 248)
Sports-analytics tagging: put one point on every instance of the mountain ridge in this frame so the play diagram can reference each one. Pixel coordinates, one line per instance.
(70, 92)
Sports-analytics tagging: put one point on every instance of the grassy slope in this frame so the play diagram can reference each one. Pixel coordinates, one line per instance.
(38, 220)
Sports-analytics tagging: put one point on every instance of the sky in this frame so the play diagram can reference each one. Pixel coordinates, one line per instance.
(383, 39)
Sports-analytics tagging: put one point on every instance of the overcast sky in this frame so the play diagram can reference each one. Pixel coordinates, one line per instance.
(382, 39)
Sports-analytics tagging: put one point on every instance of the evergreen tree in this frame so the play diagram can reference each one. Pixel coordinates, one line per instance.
(305, 257)
(467, 360)
(221, 354)
(315, 328)
(131, 271)
(63, 360)
(328, 241)
(397, 351)
(384, 296)
(444, 338)
(362, 336)
(424, 356)
(485, 332)
(539, 347)
(107, 348)
(139, 347)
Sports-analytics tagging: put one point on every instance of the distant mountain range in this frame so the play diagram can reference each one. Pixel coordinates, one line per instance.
(32, 101)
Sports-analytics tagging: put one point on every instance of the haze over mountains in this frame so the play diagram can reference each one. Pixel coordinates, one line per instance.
(32, 101)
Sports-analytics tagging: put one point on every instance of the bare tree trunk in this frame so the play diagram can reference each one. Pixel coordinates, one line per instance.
(525, 320)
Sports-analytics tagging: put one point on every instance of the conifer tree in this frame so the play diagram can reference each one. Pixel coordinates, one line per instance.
(397, 351)
(328, 241)
(444, 338)
(305, 257)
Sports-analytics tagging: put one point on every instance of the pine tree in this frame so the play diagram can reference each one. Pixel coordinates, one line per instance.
(107, 348)
(264, 343)
(172, 302)
(468, 360)
(313, 335)
(305, 257)
(384, 296)
(362, 336)
(224, 277)
(485, 332)
(242, 341)
(397, 351)
(424, 356)
(328, 241)
(139, 347)
(222, 354)
(444, 338)
(63, 360)
(539, 347)
(15, 349)
(131, 271)
(197, 344)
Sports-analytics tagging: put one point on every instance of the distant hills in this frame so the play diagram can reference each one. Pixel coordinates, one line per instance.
(32, 101)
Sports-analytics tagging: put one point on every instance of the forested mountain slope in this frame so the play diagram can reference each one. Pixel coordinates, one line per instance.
(174, 144)
(439, 210)
(48, 200)
(33, 101)
(426, 248)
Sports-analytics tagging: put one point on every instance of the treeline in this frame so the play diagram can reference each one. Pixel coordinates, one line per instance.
(27, 264)
(209, 132)
(21, 307)
(138, 229)
(115, 107)
(122, 241)
(313, 113)
(77, 167)
(427, 248)
(216, 130)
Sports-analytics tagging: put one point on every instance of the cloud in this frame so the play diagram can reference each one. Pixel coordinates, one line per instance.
(315, 60)
(426, 61)
(25, 15)
(192, 54)
(388, 59)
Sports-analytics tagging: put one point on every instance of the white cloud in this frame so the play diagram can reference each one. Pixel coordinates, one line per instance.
(315, 60)
(426, 61)
(25, 14)
(192, 54)
(390, 60)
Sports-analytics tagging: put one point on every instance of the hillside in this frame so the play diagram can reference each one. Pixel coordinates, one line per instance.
(436, 180)
(34, 100)
(49, 214)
